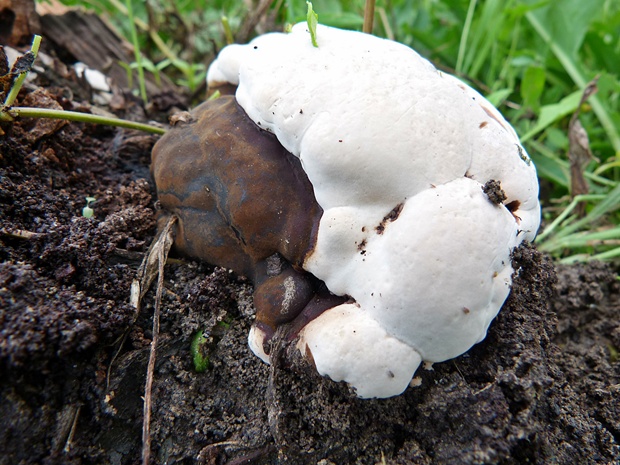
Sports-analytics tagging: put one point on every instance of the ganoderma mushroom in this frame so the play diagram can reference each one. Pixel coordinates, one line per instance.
(374, 200)
(242, 202)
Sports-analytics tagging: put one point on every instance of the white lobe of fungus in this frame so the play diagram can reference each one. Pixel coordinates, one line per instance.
(398, 155)
(255, 341)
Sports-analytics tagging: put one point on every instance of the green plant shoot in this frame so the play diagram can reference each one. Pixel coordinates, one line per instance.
(87, 211)
(201, 362)
(313, 21)
(227, 31)
(17, 85)
(137, 53)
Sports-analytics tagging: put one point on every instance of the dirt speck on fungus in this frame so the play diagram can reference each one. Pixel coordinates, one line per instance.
(389, 218)
(493, 190)
(541, 388)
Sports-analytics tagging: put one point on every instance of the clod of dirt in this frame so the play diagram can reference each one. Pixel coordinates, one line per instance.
(493, 190)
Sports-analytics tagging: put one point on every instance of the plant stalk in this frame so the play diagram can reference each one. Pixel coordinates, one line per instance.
(369, 16)
(137, 53)
(10, 99)
(29, 112)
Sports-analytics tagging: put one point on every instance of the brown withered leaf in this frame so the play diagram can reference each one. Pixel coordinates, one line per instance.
(579, 156)
(579, 153)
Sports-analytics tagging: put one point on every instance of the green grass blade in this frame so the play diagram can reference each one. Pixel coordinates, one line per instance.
(567, 211)
(137, 53)
(610, 203)
(576, 73)
(465, 36)
(553, 112)
(568, 236)
(486, 35)
(551, 166)
(582, 239)
(603, 256)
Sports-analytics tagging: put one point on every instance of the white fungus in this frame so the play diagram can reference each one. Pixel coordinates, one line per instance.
(398, 154)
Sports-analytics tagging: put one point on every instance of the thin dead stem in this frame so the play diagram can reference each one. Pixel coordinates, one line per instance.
(69, 442)
(19, 234)
(148, 388)
(252, 20)
(369, 16)
(161, 248)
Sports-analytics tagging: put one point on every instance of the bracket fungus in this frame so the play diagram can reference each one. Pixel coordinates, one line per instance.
(373, 200)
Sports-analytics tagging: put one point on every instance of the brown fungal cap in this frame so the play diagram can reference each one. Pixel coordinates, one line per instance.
(242, 202)
(239, 195)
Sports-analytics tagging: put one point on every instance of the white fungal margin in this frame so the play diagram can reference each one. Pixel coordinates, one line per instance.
(349, 345)
(397, 154)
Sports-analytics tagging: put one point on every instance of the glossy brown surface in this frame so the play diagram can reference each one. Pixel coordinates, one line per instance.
(242, 202)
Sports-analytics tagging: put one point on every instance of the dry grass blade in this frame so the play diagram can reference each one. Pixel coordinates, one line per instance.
(369, 16)
(150, 265)
(20, 234)
(146, 274)
(69, 443)
(255, 16)
(158, 253)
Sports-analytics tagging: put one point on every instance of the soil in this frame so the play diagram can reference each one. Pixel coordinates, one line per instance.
(541, 388)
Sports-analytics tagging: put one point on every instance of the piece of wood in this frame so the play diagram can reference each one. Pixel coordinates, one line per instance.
(87, 38)
(18, 22)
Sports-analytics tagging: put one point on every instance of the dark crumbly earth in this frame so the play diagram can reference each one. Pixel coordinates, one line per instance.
(541, 388)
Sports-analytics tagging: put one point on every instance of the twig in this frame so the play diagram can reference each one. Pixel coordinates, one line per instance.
(369, 16)
(8, 114)
(148, 388)
(20, 234)
(69, 442)
(252, 20)
(149, 267)
(121, 343)
(203, 454)
(460, 373)
(480, 391)
(161, 248)
(29, 112)
(142, 282)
